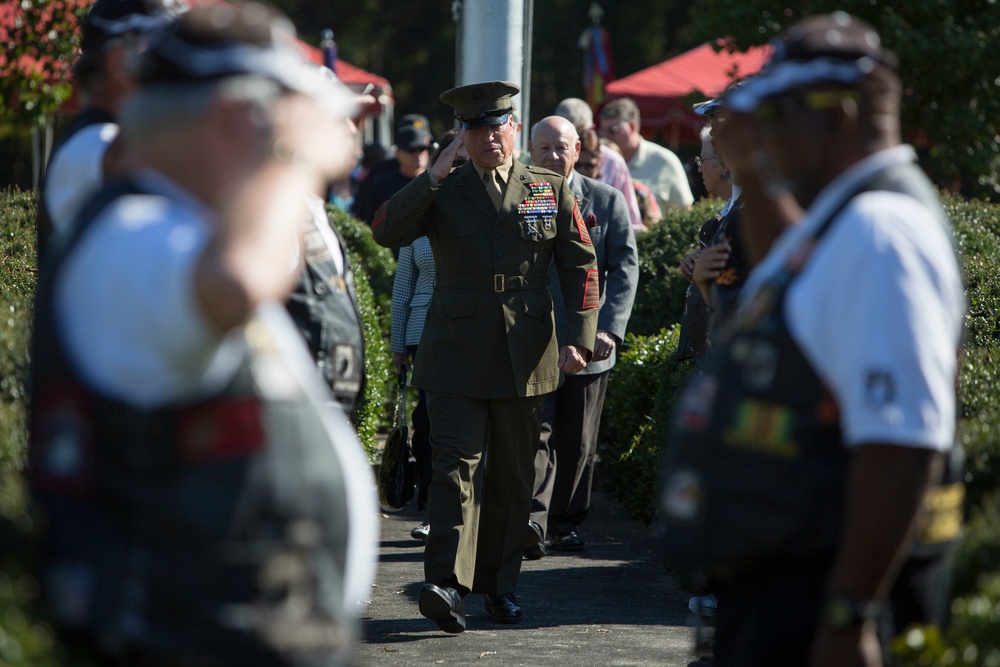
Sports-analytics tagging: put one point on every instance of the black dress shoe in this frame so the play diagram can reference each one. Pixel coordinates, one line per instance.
(567, 542)
(503, 608)
(534, 542)
(443, 606)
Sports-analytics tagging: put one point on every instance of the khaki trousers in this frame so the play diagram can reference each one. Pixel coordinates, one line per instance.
(483, 454)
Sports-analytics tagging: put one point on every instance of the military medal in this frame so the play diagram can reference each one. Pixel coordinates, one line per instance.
(540, 202)
(532, 222)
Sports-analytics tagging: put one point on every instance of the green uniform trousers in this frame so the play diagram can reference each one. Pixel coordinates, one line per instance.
(483, 452)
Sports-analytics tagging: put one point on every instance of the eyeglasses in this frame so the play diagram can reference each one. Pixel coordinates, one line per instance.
(611, 130)
(702, 160)
(774, 109)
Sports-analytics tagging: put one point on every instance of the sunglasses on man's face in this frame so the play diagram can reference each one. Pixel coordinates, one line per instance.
(777, 108)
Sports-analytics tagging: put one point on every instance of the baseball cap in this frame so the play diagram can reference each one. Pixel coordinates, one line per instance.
(835, 48)
(413, 133)
(479, 104)
(110, 19)
(217, 40)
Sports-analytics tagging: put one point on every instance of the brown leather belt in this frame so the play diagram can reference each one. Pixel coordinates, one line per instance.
(498, 282)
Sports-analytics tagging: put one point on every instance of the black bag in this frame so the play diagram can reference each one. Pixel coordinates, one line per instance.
(397, 473)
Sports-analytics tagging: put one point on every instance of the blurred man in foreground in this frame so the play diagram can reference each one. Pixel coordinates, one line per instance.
(205, 503)
(802, 458)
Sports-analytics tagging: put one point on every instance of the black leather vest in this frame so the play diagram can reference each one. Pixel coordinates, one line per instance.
(755, 468)
(215, 528)
(324, 307)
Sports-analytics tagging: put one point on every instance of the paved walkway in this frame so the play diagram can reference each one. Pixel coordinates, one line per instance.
(612, 604)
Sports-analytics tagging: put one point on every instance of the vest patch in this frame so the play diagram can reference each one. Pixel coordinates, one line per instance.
(222, 429)
(763, 427)
(695, 407)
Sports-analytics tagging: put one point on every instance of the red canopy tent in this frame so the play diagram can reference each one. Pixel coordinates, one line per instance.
(662, 91)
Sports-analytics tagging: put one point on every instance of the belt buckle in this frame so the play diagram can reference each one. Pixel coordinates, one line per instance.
(498, 282)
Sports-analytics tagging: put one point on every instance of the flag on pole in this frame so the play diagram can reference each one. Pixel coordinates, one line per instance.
(598, 65)
(329, 48)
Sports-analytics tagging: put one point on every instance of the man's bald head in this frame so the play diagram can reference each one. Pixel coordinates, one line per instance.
(555, 144)
(557, 124)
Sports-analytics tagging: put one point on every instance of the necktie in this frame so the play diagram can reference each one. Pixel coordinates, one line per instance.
(491, 179)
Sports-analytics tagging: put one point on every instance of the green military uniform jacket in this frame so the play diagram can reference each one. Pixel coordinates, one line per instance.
(489, 331)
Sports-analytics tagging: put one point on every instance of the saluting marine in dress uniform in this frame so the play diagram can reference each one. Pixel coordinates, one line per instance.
(488, 353)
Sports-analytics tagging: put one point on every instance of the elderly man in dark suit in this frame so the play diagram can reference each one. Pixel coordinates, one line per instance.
(564, 465)
(488, 353)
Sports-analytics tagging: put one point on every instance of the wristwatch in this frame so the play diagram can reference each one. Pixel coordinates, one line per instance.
(843, 611)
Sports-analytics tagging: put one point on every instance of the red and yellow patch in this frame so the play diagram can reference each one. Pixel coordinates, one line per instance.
(591, 288)
(581, 226)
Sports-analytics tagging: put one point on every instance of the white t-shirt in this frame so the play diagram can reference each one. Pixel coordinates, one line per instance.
(878, 309)
(75, 173)
(135, 332)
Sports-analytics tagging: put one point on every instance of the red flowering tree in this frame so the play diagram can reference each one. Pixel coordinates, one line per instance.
(38, 42)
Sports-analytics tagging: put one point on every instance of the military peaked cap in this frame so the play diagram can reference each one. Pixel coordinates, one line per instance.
(478, 104)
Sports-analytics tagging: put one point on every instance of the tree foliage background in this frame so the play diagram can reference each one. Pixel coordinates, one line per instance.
(949, 64)
(414, 45)
(39, 39)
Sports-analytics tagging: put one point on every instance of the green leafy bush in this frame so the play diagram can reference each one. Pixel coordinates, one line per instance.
(631, 427)
(374, 268)
(372, 411)
(378, 262)
(17, 288)
(971, 640)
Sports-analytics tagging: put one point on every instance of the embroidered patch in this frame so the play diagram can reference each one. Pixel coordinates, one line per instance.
(758, 360)
(317, 250)
(763, 427)
(696, 402)
(683, 495)
(581, 226)
(223, 429)
(592, 291)
(880, 387)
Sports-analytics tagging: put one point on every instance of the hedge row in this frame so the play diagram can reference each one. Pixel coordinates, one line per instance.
(645, 381)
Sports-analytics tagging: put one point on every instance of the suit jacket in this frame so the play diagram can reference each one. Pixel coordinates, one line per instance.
(489, 332)
(604, 211)
(412, 289)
